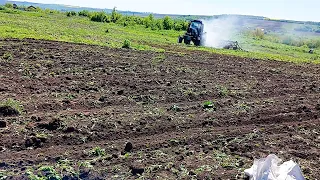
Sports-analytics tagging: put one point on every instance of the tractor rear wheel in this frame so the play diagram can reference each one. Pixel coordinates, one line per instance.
(197, 42)
(187, 40)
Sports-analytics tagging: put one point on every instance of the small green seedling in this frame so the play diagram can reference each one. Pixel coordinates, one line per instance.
(208, 105)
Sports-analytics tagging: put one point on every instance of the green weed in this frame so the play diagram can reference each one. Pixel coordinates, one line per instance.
(13, 104)
(209, 105)
(3, 175)
(45, 172)
(127, 156)
(175, 108)
(98, 151)
(126, 44)
(223, 91)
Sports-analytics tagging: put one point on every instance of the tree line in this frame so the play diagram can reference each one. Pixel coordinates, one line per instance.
(166, 23)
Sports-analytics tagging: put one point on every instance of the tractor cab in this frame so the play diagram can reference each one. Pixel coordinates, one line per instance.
(195, 26)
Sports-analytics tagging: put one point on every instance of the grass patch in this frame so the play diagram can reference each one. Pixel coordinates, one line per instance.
(80, 29)
(11, 107)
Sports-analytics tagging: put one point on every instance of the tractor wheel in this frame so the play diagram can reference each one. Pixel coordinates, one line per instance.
(226, 47)
(180, 39)
(187, 40)
(197, 42)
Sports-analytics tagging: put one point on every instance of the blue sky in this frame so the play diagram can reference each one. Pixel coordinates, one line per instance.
(278, 9)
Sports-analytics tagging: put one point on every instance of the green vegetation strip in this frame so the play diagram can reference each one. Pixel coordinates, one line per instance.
(71, 27)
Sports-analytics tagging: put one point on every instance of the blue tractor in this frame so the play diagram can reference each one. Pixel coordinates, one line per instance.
(195, 33)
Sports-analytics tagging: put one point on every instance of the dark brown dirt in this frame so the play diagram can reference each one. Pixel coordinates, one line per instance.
(8, 111)
(85, 103)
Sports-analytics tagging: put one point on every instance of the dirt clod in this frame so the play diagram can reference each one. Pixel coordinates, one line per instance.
(8, 111)
(120, 92)
(3, 164)
(128, 147)
(3, 124)
(52, 125)
(70, 130)
(103, 99)
(304, 109)
(35, 142)
(137, 168)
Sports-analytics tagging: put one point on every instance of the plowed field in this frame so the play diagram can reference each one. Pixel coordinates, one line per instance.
(186, 114)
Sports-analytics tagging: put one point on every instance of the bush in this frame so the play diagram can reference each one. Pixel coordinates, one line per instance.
(178, 26)
(304, 29)
(84, 13)
(9, 5)
(168, 23)
(159, 24)
(149, 22)
(299, 42)
(258, 33)
(2, 8)
(50, 11)
(99, 17)
(71, 13)
(138, 20)
(185, 25)
(126, 44)
(115, 16)
(11, 11)
(313, 43)
(125, 23)
(288, 40)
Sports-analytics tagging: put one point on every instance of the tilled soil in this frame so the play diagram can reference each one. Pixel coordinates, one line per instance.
(92, 112)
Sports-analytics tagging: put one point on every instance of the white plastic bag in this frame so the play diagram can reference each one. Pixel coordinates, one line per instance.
(268, 169)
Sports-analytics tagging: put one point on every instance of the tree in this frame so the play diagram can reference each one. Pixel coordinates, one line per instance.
(9, 5)
(85, 13)
(167, 23)
(159, 24)
(115, 16)
(258, 33)
(149, 21)
(99, 17)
